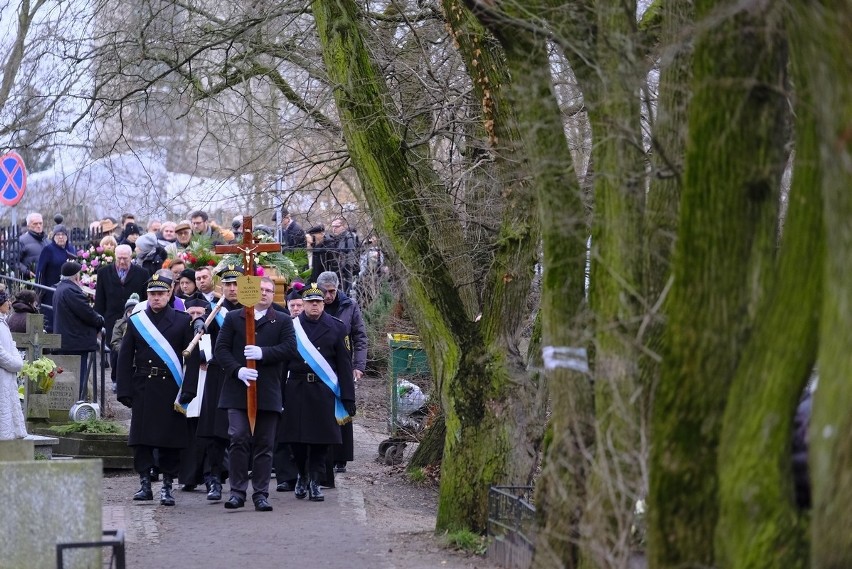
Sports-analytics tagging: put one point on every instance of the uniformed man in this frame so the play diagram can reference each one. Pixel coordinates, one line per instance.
(319, 394)
(274, 344)
(150, 375)
(212, 429)
(286, 472)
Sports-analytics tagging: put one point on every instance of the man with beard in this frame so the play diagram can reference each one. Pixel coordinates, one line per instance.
(31, 244)
(150, 376)
(319, 394)
(274, 343)
(212, 429)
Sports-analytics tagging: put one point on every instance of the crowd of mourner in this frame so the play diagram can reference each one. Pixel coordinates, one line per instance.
(167, 305)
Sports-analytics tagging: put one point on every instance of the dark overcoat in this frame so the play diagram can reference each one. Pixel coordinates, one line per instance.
(111, 293)
(74, 318)
(213, 421)
(154, 422)
(275, 336)
(309, 406)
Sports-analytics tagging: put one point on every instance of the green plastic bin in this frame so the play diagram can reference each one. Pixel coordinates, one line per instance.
(407, 360)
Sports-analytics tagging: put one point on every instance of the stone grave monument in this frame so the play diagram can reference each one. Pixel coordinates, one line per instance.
(46, 503)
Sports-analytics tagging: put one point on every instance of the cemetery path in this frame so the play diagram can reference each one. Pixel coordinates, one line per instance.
(373, 519)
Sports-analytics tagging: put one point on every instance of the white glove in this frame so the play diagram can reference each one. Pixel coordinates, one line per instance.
(246, 375)
(253, 352)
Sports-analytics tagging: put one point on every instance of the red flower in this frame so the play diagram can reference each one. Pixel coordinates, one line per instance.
(211, 263)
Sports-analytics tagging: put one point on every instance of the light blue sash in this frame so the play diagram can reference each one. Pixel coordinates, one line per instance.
(155, 339)
(319, 364)
(220, 316)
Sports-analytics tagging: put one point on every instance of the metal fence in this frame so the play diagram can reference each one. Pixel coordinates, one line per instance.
(511, 526)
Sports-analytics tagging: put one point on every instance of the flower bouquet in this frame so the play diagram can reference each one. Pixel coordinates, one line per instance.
(42, 372)
(91, 260)
(276, 260)
(199, 253)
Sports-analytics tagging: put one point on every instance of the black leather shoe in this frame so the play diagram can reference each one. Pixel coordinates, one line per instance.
(188, 487)
(262, 505)
(301, 489)
(314, 492)
(283, 487)
(340, 467)
(215, 492)
(234, 502)
(144, 492)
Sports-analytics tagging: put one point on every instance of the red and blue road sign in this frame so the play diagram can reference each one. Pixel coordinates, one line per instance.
(13, 179)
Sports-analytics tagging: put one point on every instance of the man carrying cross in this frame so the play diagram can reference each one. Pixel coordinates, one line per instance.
(252, 346)
(274, 343)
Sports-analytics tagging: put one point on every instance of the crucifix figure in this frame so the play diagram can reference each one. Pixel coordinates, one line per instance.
(249, 247)
(34, 340)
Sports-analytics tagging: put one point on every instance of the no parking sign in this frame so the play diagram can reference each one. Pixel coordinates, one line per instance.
(13, 179)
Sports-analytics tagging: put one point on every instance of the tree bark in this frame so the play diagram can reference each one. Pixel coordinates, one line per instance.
(484, 392)
(727, 232)
(822, 31)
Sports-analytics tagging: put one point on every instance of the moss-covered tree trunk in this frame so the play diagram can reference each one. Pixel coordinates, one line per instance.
(483, 389)
(725, 242)
(615, 286)
(561, 486)
(759, 524)
(823, 32)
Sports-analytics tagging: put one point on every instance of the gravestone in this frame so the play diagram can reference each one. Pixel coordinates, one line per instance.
(34, 341)
(47, 502)
(66, 389)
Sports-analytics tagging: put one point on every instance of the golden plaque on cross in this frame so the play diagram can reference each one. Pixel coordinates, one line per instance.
(248, 290)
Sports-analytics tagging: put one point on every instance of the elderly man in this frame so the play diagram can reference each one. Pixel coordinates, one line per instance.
(274, 344)
(151, 375)
(31, 244)
(183, 232)
(346, 310)
(116, 282)
(75, 321)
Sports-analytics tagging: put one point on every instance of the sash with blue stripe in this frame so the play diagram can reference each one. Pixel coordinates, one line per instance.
(220, 316)
(320, 366)
(155, 339)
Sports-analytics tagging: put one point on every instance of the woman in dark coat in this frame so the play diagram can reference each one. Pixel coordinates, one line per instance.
(25, 302)
(49, 268)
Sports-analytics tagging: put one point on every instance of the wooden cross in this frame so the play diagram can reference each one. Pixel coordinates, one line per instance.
(248, 248)
(34, 340)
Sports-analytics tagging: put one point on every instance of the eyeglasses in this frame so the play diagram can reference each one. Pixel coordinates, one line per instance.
(267, 290)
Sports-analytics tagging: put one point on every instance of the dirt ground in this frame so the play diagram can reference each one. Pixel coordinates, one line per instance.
(390, 523)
